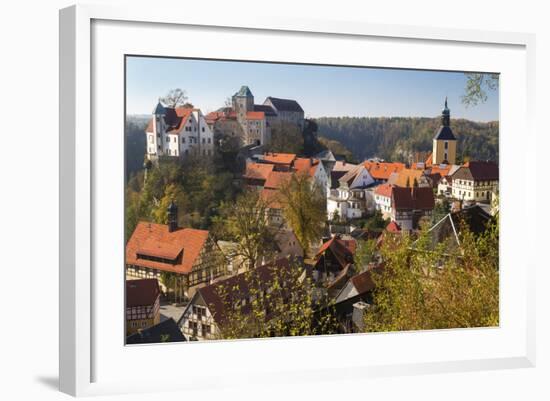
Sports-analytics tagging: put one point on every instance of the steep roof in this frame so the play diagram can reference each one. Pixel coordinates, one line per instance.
(237, 288)
(267, 109)
(382, 170)
(142, 292)
(343, 250)
(284, 104)
(306, 165)
(276, 179)
(384, 190)
(150, 240)
(478, 171)
(416, 198)
(244, 91)
(271, 198)
(445, 133)
(175, 119)
(406, 177)
(474, 217)
(258, 171)
(167, 331)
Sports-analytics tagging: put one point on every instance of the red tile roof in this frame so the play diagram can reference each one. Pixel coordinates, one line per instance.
(277, 179)
(271, 198)
(383, 170)
(142, 292)
(255, 115)
(258, 171)
(306, 165)
(150, 239)
(280, 158)
(343, 250)
(393, 227)
(383, 190)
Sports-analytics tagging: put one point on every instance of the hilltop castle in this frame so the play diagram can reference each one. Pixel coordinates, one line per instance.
(252, 123)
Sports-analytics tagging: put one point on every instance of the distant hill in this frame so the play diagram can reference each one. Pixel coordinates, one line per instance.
(400, 138)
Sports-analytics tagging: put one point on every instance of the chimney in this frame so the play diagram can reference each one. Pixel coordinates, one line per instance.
(172, 217)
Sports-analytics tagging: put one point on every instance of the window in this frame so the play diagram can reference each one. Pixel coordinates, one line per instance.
(151, 138)
(446, 145)
(203, 140)
(167, 139)
(182, 139)
(202, 129)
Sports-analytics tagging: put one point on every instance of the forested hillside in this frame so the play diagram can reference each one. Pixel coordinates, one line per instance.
(399, 138)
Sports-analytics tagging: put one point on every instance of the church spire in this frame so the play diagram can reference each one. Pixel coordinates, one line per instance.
(446, 115)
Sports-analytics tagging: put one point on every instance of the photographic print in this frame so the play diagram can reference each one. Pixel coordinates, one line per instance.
(273, 199)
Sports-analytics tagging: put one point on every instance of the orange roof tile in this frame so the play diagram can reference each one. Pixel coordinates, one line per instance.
(383, 190)
(255, 115)
(271, 198)
(306, 165)
(258, 171)
(383, 170)
(277, 179)
(150, 239)
(280, 158)
(406, 177)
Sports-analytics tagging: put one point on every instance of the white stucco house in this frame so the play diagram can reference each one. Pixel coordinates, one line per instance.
(351, 199)
(178, 132)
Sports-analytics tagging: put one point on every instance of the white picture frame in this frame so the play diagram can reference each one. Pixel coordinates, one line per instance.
(80, 182)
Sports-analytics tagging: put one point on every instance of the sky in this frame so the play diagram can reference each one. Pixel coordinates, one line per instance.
(322, 91)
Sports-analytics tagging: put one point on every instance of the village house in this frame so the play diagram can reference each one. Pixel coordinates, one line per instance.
(163, 332)
(213, 306)
(188, 254)
(314, 169)
(475, 181)
(447, 230)
(256, 174)
(409, 205)
(353, 301)
(333, 262)
(142, 304)
(178, 132)
(381, 171)
(410, 178)
(382, 199)
(351, 200)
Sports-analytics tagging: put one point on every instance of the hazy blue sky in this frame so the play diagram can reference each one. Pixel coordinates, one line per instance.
(320, 90)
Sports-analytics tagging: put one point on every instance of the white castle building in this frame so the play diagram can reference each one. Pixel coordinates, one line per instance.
(178, 132)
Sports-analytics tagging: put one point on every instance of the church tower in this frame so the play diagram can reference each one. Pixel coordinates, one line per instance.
(172, 217)
(444, 145)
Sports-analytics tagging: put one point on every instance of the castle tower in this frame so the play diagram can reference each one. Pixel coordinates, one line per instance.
(172, 217)
(444, 143)
(243, 102)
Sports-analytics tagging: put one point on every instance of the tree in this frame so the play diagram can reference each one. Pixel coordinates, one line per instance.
(245, 222)
(274, 305)
(175, 98)
(303, 209)
(174, 282)
(421, 287)
(172, 192)
(477, 85)
(286, 138)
